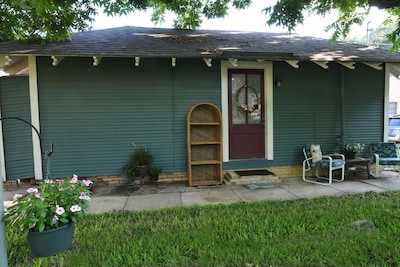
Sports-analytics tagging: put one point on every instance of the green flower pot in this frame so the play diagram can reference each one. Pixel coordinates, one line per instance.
(51, 242)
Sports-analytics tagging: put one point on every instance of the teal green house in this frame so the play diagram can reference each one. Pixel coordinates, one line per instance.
(95, 98)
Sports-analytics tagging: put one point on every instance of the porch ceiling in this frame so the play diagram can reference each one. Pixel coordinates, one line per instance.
(17, 65)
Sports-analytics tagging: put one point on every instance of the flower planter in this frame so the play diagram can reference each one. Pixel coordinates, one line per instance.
(54, 205)
(51, 242)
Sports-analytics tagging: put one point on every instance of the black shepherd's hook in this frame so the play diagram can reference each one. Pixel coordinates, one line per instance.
(48, 153)
(30, 124)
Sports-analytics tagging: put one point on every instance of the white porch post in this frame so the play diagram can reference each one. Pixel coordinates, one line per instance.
(2, 155)
(34, 103)
(3, 247)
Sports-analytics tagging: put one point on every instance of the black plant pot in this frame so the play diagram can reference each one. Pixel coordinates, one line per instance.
(350, 154)
(154, 177)
(129, 179)
(143, 170)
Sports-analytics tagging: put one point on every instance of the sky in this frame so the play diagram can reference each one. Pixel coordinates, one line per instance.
(250, 19)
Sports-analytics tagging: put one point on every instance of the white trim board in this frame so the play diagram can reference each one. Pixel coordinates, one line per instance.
(268, 103)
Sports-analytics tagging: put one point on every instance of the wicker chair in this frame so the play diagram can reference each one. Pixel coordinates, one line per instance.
(314, 159)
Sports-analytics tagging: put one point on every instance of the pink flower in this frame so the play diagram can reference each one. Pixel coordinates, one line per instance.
(55, 218)
(37, 194)
(87, 182)
(60, 210)
(74, 179)
(16, 196)
(75, 208)
(84, 196)
(32, 190)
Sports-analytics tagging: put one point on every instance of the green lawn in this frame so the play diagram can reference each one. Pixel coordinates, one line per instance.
(317, 232)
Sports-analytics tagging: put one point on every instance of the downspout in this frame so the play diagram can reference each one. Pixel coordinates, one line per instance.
(386, 101)
(342, 106)
(2, 155)
(174, 131)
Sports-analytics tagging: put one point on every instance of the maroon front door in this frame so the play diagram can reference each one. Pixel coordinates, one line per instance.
(246, 121)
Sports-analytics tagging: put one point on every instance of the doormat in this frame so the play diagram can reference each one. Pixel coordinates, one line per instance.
(254, 172)
(259, 186)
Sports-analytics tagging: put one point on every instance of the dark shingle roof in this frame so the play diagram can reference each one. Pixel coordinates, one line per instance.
(158, 42)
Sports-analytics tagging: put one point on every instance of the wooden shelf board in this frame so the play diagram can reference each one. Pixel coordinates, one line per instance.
(207, 182)
(204, 123)
(205, 162)
(205, 143)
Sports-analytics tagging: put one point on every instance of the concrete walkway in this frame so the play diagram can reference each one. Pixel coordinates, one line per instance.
(156, 196)
(290, 188)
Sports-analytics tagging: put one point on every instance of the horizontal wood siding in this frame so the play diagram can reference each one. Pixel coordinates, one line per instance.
(14, 101)
(194, 82)
(307, 108)
(364, 104)
(93, 114)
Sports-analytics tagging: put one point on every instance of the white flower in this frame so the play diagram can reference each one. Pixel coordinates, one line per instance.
(84, 196)
(75, 208)
(60, 210)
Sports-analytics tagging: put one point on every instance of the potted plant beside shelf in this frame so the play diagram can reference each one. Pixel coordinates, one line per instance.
(154, 172)
(129, 172)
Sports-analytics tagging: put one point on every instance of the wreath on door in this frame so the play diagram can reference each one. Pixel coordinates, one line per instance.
(244, 107)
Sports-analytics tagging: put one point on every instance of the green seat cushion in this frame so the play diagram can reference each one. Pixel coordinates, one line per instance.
(389, 161)
(325, 163)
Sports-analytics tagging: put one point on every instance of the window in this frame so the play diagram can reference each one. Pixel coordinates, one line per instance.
(392, 108)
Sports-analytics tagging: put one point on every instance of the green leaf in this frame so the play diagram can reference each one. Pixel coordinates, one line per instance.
(41, 227)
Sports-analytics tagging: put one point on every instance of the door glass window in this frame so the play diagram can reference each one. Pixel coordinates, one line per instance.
(254, 99)
(238, 98)
(246, 99)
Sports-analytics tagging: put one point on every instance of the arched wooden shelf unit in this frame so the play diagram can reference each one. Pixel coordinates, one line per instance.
(204, 145)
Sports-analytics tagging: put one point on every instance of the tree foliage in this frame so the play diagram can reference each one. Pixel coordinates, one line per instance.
(377, 36)
(44, 20)
(53, 20)
(394, 36)
(188, 13)
(289, 14)
(38, 20)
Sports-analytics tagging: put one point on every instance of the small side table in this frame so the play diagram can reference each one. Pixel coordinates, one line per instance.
(356, 163)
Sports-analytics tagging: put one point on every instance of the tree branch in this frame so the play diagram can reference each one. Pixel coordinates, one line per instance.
(383, 4)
